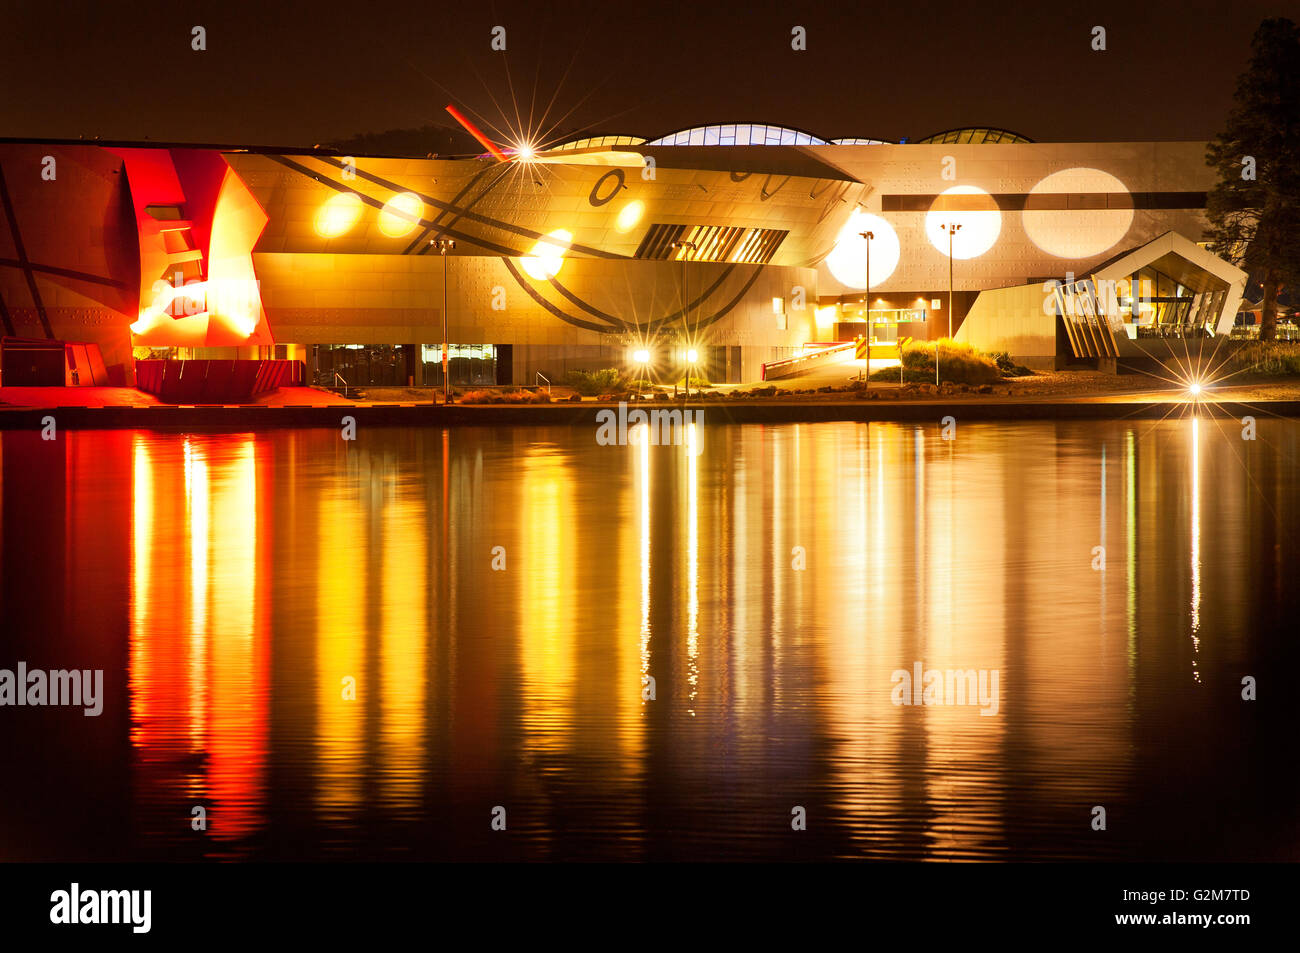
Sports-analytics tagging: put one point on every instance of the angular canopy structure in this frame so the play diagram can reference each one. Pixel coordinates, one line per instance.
(1169, 287)
(1216, 285)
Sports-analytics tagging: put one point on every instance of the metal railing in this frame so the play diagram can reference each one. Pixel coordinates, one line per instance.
(537, 381)
(339, 377)
(822, 354)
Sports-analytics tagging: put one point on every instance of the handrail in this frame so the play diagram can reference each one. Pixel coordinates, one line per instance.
(339, 377)
(537, 381)
(821, 353)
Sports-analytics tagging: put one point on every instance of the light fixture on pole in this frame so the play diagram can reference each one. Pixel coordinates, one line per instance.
(951, 228)
(642, 358)
(686, 248)
(866, 298)
(445, 245)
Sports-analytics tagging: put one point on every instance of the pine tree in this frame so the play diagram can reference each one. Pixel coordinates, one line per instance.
(1254, 210)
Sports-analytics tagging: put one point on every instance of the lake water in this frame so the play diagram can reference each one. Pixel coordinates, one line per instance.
(361, 649)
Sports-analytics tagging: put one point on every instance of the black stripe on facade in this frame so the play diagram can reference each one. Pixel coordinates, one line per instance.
(1062, 201)
(22, 260)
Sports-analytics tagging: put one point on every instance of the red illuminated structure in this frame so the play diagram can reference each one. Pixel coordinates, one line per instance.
(197, 226)
(105, 248)
(474, 131)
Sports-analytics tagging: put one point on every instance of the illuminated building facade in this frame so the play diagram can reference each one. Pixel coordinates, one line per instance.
(741, 241)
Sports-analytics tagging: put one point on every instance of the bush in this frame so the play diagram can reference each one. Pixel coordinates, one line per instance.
(1008, 367)
(697, 383)
(958, 363)
(1265, 359)
(594, 383)
(510, 396)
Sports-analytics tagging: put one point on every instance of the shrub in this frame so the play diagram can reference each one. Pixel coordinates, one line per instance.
(1008, 367)
(958, 363)
(505, 397)
(1265, 359)
(594, 383)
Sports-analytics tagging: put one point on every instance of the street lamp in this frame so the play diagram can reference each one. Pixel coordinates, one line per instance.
(686, 248)
(866, 297)
(951, 228)
(444, 246)
(642, 358)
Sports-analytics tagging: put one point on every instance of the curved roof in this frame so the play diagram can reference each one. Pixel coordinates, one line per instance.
(768, 134)
(738, 134)
(975, 134)
(596, 142)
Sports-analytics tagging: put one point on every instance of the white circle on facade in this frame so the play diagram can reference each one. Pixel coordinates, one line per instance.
(848, 259)
(1078, 213)
(976, 214)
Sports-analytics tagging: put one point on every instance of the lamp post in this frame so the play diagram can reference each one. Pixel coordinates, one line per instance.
(445, 245)
(642, 358)
(951, 228)
(866, 297)
(686, 248)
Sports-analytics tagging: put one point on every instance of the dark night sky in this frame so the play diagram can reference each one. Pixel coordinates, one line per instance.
(301, 73)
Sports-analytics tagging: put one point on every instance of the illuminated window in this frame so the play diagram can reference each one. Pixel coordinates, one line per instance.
(974, 135)
(469, 364)
(742, 134)
(596, 142)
